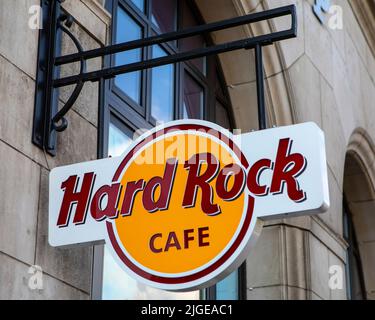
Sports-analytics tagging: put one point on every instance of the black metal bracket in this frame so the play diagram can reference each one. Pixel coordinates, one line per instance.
(48, 120)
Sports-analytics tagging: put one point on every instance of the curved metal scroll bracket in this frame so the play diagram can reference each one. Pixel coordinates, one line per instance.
(59, 122)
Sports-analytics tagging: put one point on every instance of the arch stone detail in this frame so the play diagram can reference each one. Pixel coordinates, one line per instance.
(359, 189)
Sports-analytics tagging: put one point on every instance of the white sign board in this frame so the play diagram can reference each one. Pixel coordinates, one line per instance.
(181, 208)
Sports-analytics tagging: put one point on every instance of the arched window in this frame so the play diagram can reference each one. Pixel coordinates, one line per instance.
(354, 274)
(140, 100)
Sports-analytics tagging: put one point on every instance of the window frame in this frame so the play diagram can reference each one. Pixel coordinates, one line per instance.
(176, 85)
(134, 13)
(353, 256)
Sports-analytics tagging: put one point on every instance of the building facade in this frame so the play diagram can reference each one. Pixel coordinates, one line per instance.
(325, 75)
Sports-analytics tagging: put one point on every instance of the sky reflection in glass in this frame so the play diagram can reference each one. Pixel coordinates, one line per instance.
(162, 89)
(128, 30)
(227, 289)
(140, 4)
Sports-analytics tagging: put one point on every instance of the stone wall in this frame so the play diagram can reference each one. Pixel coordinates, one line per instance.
(332, 83)
(325, 76)
(24, 173)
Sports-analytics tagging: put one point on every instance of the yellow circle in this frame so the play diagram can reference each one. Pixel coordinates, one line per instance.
(135, 231)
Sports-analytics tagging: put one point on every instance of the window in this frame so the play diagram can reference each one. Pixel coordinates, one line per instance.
(141, 99)
(228, 288)
(162, 81)
(128, 83)
(140, 4)
(163, 15)
(354, 275)
(193, 99)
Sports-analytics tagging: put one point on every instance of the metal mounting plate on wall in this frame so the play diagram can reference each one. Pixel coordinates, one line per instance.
(46, 98)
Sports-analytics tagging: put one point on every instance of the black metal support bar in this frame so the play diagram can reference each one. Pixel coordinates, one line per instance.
(187, 33)
(59, 116)
(46, 98)
(48, 120)
(260, 88)
(179, 57)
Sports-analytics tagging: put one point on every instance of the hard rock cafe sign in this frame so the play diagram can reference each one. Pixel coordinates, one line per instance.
(183, 206)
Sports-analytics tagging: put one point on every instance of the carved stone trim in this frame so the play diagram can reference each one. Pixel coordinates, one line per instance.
(363, 149)
(98, 9)
(364, 10)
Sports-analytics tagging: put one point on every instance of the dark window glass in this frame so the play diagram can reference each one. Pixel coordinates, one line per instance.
(127, 30)
(193, 98)
(164, 14)
(355, 282)
(219, 87)
(162, 89)
(222, 115)
(188, 20)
